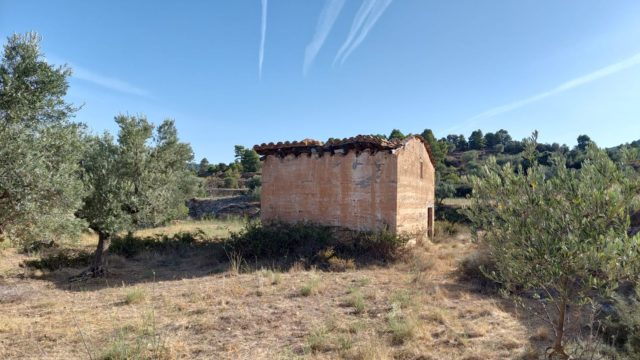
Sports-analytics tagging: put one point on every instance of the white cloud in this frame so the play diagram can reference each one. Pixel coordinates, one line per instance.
(326, 20)
(263, 35)
(566, 86)
(366, 17)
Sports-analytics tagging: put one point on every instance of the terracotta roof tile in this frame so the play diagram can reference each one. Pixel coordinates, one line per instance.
(360, 142)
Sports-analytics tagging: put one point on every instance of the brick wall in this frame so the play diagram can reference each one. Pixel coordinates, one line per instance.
(416, 188)
(358, 192)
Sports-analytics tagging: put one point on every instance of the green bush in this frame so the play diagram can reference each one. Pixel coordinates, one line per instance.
(476, 266)
(280, 240)
(65, 258)
(451, 214)
(129, 245)
(312, 244)
(623, 327)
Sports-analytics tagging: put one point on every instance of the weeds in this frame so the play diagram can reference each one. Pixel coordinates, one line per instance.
(318, 340)
(235, 263)
(402, 327)
(274, 277)
(357, 301)
(444, 230)
(311, 286)
(135, 296)
(139, 343)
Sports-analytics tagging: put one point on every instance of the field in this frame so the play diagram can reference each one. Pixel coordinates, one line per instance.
(194, 305)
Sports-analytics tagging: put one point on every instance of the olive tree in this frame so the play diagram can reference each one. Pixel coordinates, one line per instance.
(40, 148)
(139, 180)
(558, 235)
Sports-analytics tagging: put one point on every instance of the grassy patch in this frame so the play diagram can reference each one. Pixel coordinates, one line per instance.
(402, 329)
(141, 342)
(135, 296)
(311, 286)
(357, 301)
(319, 340)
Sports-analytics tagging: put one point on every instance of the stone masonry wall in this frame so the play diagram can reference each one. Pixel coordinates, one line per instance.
(356, 192)
(416, 188)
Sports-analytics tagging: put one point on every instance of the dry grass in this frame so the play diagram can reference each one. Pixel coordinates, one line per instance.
(157, 307)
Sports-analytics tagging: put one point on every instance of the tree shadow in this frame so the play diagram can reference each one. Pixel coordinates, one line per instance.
(133, 260)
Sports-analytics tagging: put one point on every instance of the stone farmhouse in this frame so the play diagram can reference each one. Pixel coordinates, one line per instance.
(360, 183)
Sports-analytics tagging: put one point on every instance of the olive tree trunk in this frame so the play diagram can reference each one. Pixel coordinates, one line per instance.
(99, 266)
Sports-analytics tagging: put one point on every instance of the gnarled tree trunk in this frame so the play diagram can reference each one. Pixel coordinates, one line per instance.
(99, 266)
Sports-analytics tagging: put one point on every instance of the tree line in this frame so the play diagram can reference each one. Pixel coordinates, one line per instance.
(58, 179)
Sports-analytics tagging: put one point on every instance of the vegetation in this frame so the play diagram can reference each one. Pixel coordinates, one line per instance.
(136, 182)
(561, 236)
(40, 152)
(551, 227)
(313, 245)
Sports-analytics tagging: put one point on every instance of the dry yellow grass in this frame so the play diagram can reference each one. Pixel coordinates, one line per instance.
(417, 309)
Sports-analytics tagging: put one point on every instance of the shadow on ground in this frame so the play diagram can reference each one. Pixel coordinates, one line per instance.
(134, 259)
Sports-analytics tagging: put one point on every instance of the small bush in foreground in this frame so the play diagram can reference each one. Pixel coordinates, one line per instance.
(313, 244)
(557, 232)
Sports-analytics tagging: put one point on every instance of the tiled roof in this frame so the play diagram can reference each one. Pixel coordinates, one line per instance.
(359, 143)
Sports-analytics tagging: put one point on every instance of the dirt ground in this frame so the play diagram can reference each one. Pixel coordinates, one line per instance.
(194, 306)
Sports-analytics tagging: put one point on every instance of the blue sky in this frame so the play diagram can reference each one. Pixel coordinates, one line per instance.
(231, 73)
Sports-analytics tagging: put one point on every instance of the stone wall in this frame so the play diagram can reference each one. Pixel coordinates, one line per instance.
(416, 188)
(360, 191)
(353, 191)
(222, 207)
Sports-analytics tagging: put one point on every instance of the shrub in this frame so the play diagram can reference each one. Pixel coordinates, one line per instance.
(382, 245)
(63, 258)
(280, 240)
(130, 245)
(445, 229)
(254, 194)
(623, 326)
(475, 266)
(562, 237)
(313, 244)
(254, 182)
(451, 214)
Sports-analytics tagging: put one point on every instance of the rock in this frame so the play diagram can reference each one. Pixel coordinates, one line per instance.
(235, 206)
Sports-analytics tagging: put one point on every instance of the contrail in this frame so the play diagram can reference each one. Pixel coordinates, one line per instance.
(263, 35)
(566, 86)
(361, 15)
(104, 81)
(374, 15)
(326, 20)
